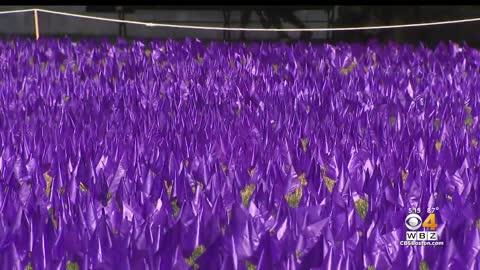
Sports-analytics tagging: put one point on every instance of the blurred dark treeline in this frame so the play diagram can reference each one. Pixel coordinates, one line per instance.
(324, 16)
(390, 15)
(353, 16)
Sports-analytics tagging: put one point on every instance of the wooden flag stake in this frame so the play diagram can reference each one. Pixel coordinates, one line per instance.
(37, 32)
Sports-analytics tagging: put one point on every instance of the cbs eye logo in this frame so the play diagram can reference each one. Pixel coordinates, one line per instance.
(414, 222)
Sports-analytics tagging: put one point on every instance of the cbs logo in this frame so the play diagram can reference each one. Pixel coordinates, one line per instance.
(414, 222)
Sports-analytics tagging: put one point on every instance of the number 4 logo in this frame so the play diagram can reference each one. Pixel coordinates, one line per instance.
(430, 222)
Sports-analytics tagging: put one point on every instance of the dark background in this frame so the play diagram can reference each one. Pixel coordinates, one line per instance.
(260, 16)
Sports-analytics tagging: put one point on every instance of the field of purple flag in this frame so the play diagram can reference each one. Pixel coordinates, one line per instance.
(193, 155)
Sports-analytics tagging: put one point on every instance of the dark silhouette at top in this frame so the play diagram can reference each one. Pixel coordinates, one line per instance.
(274, 17)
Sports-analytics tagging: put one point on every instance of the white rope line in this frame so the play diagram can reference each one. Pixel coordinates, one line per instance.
(149, 24)
(92, 17)
(16, 11)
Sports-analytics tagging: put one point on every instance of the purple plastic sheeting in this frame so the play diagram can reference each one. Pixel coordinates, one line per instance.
(183, 155)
